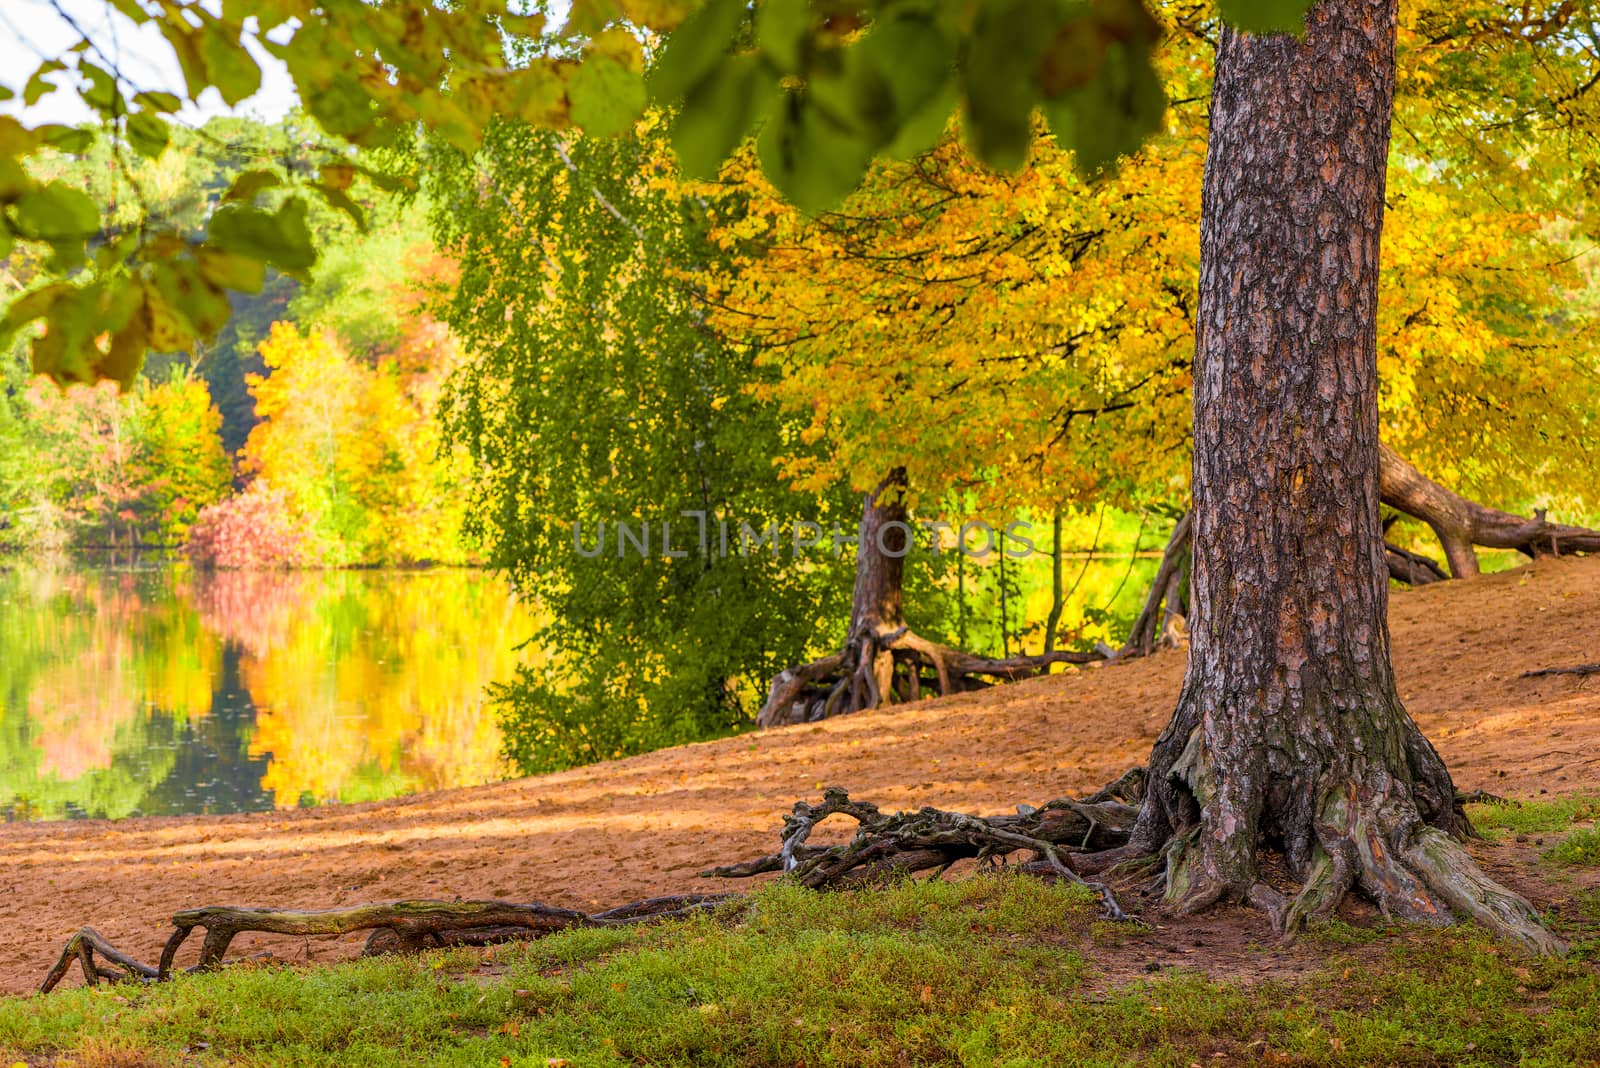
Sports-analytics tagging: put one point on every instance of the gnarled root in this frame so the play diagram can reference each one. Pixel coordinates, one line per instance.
(398, 926)
(1388, 834)
(906, 842)
(881, 665)
(1461, 523)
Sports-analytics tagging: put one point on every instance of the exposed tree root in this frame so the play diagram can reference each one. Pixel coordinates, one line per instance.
(1422, 876)
(883, 665)
(1577, 669)
(397, 926)
(931, 838)
(1413, 569)
(1461, 523)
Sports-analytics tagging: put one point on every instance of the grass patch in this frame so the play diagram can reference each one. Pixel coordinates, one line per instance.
(1581, 848)
(987, 971)
(1534, 817)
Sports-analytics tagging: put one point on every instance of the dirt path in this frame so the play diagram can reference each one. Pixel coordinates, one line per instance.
(625, 830)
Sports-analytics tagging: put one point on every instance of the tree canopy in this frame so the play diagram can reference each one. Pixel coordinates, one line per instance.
(832, 84)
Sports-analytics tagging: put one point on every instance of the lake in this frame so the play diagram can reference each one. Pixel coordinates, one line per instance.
(149, 689)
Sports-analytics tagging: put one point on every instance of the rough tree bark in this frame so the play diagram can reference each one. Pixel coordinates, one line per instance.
(1288, 733)
(883, 660)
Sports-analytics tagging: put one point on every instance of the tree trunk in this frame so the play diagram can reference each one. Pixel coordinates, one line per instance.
(1288, 732)
(880, 556)
(883, 659)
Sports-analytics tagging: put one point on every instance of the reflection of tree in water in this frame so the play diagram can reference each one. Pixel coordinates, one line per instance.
(156, 691)
(212, 767)
(379, 687)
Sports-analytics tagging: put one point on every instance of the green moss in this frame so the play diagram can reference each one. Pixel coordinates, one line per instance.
(986, 971)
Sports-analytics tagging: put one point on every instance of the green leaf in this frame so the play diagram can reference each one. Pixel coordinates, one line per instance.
(200, 305)
(147, 133)
(1266, 16)
(1112, 115)
(33, 305)
(658, 14)
(606, 97)
(156, 100)
(1007, 42)
(102, 93)
(184, 44)
(588, 17)
(338, 198)
(810, 158)
(781, 30)
(56, 212)
(132, 11)
(36, 87)
(233, 69)
(696, 49)
(247, 185)
(921, 131)
(280, 238)
(913, 57)
(231, 270)
(125, 355)
(716, 115)
(69, 139)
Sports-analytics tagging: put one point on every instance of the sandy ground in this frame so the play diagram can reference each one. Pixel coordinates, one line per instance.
(629, 829)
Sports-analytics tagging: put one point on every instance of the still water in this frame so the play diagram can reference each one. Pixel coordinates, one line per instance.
(157, 690)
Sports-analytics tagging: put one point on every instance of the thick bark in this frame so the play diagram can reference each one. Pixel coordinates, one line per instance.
(883, 659)
(1461, 523)
(1288, 732)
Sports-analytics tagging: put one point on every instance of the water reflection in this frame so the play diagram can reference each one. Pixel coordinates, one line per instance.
(156, 690)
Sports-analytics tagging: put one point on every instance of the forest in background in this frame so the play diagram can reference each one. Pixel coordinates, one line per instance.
(304, 435)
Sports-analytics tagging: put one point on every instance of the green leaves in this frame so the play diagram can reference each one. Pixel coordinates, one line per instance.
(55, 213)
(279, 238)
(147, 134)
(607, 92)
(881, 77)
(1266, 16)
(1104, 106)
(809, 156)
(36, 87)
(695, 50)
(717, 114)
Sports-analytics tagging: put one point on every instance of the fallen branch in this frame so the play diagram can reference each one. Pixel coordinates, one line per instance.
(1153, 623)
(1579, 669)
